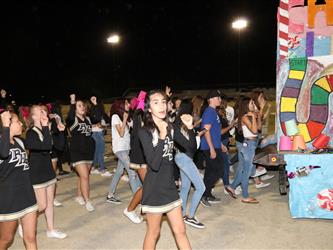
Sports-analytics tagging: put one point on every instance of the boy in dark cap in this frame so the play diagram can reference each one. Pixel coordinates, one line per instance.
(212, 146)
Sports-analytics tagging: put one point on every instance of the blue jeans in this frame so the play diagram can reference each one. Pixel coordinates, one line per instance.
(246, 153)
(99, 150)
(189, 174)
(226, 164)
(123, 163)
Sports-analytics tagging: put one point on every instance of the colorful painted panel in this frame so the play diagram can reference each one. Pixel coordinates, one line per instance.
(305, 68)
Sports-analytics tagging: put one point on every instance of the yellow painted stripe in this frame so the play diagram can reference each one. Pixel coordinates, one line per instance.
(288, 104)
(296, 74)
(303, 130)
(322, 82)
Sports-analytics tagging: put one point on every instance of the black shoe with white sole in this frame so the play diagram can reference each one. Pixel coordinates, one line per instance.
(214, 200)
(194, 223)
(204, 201)
(113, 200)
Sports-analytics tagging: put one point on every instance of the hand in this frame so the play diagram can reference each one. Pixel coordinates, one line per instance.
(234, 122)
(93, 100)
(125, 117)
(51, 116)
(61, 126)
(187, 120)
(168, 91)
(261, 101)
(252, 114)
(44, 120)
(3, 93)
(162, 127)
(224, 149)
(73, 98)
(212, 154)
(5, 118)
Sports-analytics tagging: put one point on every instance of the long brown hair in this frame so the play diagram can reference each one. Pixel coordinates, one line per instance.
(255, 95)
(118, 108)
(197, 102)
(243, 109)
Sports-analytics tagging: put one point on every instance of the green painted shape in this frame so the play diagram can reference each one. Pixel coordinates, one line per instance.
(298, 63)
(319, 95)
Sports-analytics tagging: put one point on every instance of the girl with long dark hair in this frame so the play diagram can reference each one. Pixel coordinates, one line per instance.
(121, 147)
(159, 190)
(248, 124)
(186, 144)
(96, 114)
(137, 159)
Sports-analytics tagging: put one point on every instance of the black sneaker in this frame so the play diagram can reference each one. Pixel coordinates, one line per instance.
(194, 222)
(214, 200)
(113, 200)
(204, 201)
(64, 172)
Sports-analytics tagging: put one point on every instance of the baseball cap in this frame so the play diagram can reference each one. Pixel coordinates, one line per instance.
(213, 93)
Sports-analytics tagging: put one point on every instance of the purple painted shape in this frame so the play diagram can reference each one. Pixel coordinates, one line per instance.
(319, 113)
(309, 43)
(293, 83)
(290, 92)
(286, 116)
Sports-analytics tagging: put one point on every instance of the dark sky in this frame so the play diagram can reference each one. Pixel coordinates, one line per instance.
(54, 48)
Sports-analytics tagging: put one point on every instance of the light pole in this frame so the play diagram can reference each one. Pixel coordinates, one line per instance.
(239, 24)
(114, 40)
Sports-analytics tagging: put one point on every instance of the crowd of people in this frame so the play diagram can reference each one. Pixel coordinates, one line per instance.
(166, 145)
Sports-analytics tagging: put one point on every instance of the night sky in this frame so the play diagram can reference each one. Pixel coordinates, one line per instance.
(51, 49)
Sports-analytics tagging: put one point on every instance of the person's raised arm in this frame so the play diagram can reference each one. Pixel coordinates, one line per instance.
(5, 137)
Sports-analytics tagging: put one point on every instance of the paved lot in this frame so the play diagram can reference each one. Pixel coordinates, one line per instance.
(229, 225)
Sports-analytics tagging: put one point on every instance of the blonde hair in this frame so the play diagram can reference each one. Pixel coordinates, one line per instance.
(197, 102)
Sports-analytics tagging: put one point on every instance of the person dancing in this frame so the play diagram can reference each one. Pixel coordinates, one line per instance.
(82, 149)
(39, 143)
(17, 196)
(159, 190)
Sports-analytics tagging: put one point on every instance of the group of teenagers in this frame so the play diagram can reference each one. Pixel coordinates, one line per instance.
(153, 138)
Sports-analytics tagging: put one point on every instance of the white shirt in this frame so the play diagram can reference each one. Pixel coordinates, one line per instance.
(119, 143)
(247, 132)
(230, 114)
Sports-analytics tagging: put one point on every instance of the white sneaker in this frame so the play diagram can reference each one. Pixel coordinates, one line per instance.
(238, 190)
(56, 203)
(231, 169)
(89, 206)
(125, 178)
(56, 234)
(80, 200)
(133, 216)
(20, 230)
(259, 172)
(106, 174)
(95, 171)
(266, 177)
(262, 185)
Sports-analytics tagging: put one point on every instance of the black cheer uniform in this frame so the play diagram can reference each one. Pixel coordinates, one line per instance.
(82, 146)
(137, 158)
(159, 189)
(58, 140)
(17, 197)
(39, 144)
